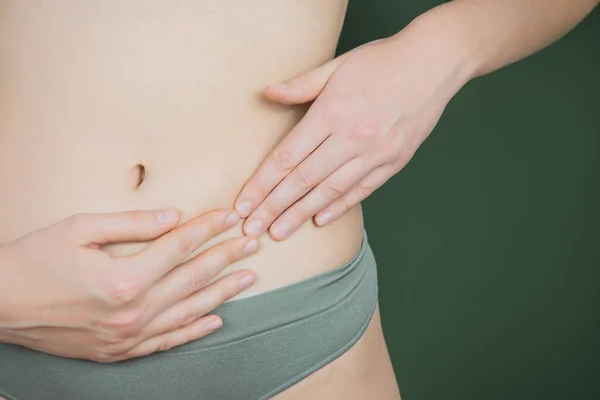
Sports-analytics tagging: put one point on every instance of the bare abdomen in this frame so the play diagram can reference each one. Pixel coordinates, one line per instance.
(110, 106)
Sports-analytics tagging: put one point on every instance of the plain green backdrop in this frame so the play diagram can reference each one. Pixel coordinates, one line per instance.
(488, 241)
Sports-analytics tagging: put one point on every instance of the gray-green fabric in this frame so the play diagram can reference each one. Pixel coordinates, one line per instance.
(268, 342)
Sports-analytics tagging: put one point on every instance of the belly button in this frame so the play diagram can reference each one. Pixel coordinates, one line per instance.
(141, 175)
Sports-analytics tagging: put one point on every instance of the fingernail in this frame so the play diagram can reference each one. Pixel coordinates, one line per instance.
(246, 281)
(232, 219)
(244, 208)
(254, 227)
(214, 325)
(324, 218)
(166, 216)
(251, 246)
(282, 229)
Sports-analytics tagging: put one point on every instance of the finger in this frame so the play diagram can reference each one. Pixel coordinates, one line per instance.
(327, 158)
(168, 251)
(201, 303)
(326, 193)
(128, 226)
(193, 275)
(358, 193)
(305, 87)
(306, 136)
(194, 331)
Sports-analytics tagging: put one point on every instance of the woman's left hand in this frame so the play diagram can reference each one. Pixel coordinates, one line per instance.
(373, 107)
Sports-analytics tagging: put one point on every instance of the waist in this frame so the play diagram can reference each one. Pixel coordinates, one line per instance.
(47, 177)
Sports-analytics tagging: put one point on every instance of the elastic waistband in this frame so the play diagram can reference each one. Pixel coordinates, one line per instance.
(265, 312)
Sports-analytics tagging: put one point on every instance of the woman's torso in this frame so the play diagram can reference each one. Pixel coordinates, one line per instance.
(90, 91)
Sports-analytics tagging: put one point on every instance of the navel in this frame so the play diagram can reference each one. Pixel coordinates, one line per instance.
(140, 174)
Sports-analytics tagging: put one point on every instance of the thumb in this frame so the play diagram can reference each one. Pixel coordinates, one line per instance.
(127, 226)
(305, 87)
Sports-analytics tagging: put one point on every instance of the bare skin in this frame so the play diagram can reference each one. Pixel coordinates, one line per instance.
(374, 106)
(188, 108)
(145, 105)
(114, 106)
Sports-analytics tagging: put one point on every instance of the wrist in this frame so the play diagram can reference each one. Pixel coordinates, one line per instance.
(445, 27)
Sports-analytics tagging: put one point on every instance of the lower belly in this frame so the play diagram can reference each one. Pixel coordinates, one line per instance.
(46, 178)
(270, 343)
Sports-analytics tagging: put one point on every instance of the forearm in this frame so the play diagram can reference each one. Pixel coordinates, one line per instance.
(495, 33)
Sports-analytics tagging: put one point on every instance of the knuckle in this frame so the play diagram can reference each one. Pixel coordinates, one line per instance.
(210, 219)
(402, 158)
(125, 347)
(299, 214)
(123, 291)
(184, 246)
(388, 154)
(303, 178)
(217, 225)
(400, 163)
(284, 161)
(271, 210)
(364, 190)
(206, 227)
(124, 323)
(189, 316)
(196, 281)
(164, 345)
(105, 357)
(213, 298)
(364, 130)
(112, 340)
(334, 189)
(220, 257)
(105, 337)
(230, 290)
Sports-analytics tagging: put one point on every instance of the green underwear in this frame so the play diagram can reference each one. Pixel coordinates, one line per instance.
(268, 343)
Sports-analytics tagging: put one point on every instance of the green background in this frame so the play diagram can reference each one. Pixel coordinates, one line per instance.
(487, 242)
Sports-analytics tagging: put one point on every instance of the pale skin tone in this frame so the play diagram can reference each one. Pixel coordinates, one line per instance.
(128, 306)
(372, 109)
(375, 105)
(120, 109)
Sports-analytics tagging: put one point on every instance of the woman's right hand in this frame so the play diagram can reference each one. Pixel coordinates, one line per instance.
(60, 293)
